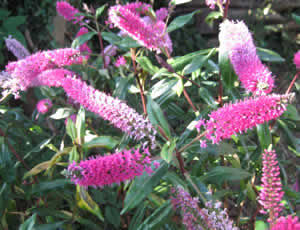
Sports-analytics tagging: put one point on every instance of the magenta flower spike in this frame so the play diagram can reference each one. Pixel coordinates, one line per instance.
(16, 48)
(212, 3)
(68, 12)
(149, 33)
(107, 170)
(23, 72)
(44, 105)
(286, 223)
(241, 116)
(271, 194)
(84, 48)
(236, 40)
(297, 60)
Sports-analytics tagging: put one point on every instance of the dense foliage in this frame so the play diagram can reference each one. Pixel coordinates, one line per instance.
(116, 132)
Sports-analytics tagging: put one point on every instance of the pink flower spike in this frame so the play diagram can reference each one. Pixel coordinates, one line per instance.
(271, 194)
(297, 60)
(211, 3)
(236, 40)
(109, 169)
(236, 118)
(121, 61)
(68, 12)
(286, 223)
(161, 14)
(44, 105)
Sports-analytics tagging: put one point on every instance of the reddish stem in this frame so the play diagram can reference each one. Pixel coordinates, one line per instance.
(225, 15)
(189, 100)
(292, 83)
(181, 163)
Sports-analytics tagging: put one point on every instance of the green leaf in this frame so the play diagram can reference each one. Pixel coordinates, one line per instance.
(71, 129)
(198, 62)
(226, 70)
(51, 226)
(260, 225)
(11, 23)
(4, 14)
(100, 10)
(37, 169)
(82, 39)
(220, 174)
(179, 87)
(213, 16)
(269, 55)
(54, 184)
(250, 192)
(180, 21)
(111, 37)
(296, 18)
(156, 116)
(85, 201)
(101, 142)
(167, 151)
(137, 218)
(157, 217)
(113, 216)
(207, 97)
(80, 125)
(142, 186)
(128, 42)
(62, 113)
(290, 137)
(264, 135)
(291, 113)
(147, 65)
(29, 223)
(177, 2)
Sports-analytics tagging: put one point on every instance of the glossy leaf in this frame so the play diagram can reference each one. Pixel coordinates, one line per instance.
(29, 223)
(62, 113)
(226, 69)
(50, 226)
(269, 55)
(99, 11)
(101, 142)
(264, 135)
(168, 150)
(82, 39)
(180, 21)
(147, 65)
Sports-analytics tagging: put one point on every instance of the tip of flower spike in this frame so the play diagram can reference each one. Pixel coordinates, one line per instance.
(297, 60)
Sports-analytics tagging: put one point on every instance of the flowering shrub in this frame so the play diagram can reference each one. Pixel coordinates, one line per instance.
(131, 136)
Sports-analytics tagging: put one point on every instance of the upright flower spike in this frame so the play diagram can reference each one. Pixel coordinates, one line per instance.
(286, 223)
(239, 117)
(149, 33)
(109, 169)
(194, 218)
(22, 73)
(68, 12)
(44, 105)
(236, 40)
(297, 60)
(16, 48)
(271, 194)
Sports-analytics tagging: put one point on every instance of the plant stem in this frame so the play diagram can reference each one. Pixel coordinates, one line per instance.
(197, 138)
(225, 15)
(189, 179)
(181, 162)
(133, 57)
(292, 83)
(100, 42)
(189, 100)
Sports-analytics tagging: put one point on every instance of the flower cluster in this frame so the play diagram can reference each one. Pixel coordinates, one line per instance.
(84, 48)
(194, 218)
(16, 48)
(109, 169)
(271, 194)
(286, 223)
(297, 59)
(44, 105)
(212, 3)
(68, 12)
(23, 72)
(120, 61)
(148, 31)
(239, 117)
(236, 40)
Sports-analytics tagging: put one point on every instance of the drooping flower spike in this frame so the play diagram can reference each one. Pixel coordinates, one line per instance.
(149, 32)
(68, 12)
(106, 170)
(16, 48)
(113, 110)
(236, 40)
(236, 118)
(21, 74)
(271, 194)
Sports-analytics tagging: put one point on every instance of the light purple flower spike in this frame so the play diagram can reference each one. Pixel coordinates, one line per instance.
(16, 48)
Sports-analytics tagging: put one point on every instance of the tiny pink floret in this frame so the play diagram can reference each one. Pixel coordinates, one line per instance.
(121, 61)
(44, 105)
